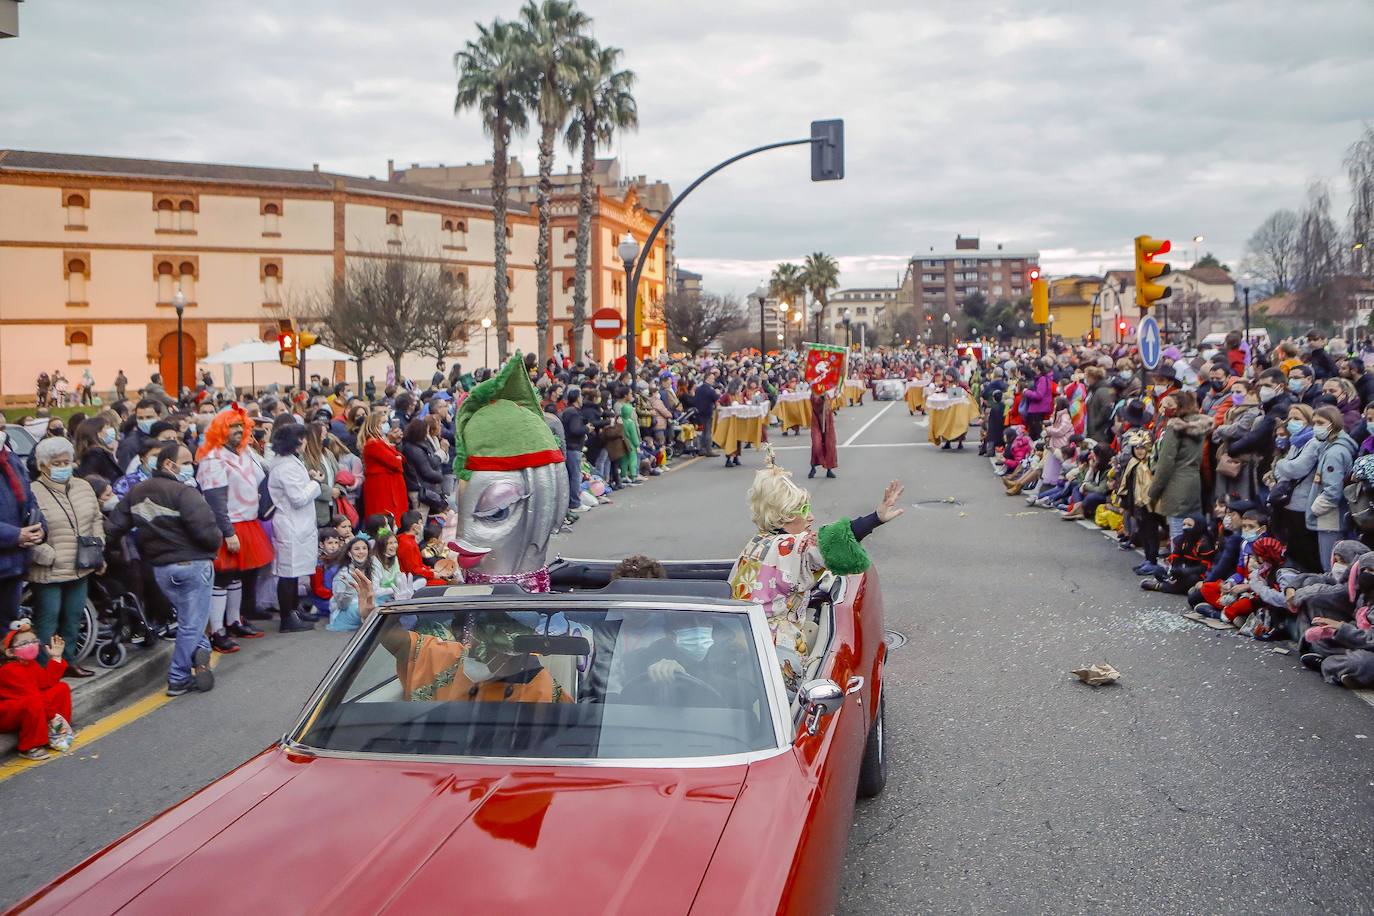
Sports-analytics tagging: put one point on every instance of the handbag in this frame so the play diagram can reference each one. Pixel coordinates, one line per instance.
(1227, 466)
(266, 508)
(1281, 494)
(90, 550)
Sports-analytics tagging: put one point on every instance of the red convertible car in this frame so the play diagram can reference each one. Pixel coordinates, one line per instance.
(614, 747)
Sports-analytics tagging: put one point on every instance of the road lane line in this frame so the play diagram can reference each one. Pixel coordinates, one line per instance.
(872, 420)
(680, 466)
(98, 729)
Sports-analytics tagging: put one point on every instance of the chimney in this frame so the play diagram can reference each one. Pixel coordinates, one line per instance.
(999, 246)
(314, 166)
(965, 244)
(415, 165)
(391, 170)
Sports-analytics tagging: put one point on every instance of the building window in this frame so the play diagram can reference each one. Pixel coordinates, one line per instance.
(78, 272)
(166, 215)
(78, 347)
(76, 203)
(861, 309)
(186, 216)
(455, 233)
(166, 281)
(271, 219)
(271, 283)
(393, 227)
(187, 278)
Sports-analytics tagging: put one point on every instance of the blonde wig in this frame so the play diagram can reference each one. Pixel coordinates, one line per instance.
(774, 498)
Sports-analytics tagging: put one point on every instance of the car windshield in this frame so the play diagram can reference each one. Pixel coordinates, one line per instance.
(571, 683)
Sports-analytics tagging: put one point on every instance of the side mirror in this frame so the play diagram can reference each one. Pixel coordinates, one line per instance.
(820, 697)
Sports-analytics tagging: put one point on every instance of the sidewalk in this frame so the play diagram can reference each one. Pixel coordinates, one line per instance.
(111, 687)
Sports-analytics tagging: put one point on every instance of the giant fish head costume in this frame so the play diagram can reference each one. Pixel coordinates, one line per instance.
(514, 490)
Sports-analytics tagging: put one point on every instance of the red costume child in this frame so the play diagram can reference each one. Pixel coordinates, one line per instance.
(31, 695)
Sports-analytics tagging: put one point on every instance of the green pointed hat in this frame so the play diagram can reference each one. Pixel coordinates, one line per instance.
(500, 426)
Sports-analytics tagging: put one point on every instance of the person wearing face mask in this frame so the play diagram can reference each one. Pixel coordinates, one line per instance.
(384, 482)
(1274, 400)
(20, 527)
(1335, 452)
(95, 448)
(1214, 390)
(1301, 386)
(1227, 596)
(344, 611)
(1235, 416)
(1290, 482)
(147, 412)
(33, 700)
(178, 537)
(1319, 357)
(60, 567)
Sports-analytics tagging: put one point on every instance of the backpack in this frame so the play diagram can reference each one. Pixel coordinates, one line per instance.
(1359, 496)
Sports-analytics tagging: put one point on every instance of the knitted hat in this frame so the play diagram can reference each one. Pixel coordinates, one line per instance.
(500, 426)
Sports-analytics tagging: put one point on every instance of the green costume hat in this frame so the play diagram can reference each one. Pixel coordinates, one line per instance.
(500, 426)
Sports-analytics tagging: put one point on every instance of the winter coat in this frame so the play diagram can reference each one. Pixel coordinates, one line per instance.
(98, 460)
(384, 484)
(1039, 398)
(1299, 464)
(54, 560)
(14, 514)
(295, 537)
(175, 524)
(1060, 430)
(1176, 487)
(422, 468)
(1327, 504)
(324, 503)
(1101, 400)
(1260, 439)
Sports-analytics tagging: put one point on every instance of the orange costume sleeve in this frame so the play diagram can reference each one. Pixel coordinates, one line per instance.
(432, 669)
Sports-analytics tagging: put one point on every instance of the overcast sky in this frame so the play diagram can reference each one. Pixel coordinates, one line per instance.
(1057, 127)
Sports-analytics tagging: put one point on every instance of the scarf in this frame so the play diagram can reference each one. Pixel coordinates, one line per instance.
(13, 479)
(537, 581)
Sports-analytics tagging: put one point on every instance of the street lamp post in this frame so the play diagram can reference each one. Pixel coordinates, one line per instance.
(816, 309)
(848, 340)
(486, 343)
(763, 299)
(179, 302)
(783, 308)
(947, 320)
(1197, 240)
(628, 249)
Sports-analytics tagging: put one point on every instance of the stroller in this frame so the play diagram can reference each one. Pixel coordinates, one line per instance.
(119, 619)
(682, 434)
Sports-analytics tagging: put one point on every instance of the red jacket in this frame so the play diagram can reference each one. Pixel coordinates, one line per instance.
(384, 483)
(408, 555)
(21, 680)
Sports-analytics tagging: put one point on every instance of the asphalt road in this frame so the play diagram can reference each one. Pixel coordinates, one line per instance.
(1216, 777)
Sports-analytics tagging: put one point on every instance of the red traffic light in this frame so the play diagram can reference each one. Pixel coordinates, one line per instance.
(1033, 273)
(286, 341)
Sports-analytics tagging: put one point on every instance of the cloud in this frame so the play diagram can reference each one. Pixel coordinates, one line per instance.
(1066, 126)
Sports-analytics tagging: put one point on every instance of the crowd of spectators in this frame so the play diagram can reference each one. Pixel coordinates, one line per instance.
(1243, 475)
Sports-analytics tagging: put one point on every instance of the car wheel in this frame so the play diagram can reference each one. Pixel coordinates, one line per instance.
(873, 770)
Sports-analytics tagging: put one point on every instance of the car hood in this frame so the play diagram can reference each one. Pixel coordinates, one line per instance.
(289, 833)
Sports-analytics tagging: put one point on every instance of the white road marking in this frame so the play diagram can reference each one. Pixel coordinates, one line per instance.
(798, 448)
(872, 420)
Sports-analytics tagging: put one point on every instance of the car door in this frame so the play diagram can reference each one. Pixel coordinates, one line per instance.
(830, 761)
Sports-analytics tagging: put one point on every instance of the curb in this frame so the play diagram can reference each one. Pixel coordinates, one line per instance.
(96, 696)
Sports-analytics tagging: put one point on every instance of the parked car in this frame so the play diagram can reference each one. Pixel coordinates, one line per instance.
(555, 765)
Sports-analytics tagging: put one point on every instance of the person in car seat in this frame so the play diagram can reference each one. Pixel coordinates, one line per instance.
(717, 656)
(435, 663)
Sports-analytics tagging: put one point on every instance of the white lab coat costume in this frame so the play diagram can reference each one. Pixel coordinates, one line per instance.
(295, 539)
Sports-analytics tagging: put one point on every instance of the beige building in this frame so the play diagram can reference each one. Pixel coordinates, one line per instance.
(939, 282)
(93, 249)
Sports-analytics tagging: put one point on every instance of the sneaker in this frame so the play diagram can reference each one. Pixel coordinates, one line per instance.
(578, 509)
(202, 678)
(1311, 661)
(1206, 610)
(295, 623)
(176, 690)
(223, 643)
(35, 753)
(1149, 585)
(1350, 682)
(256, 614)
(1145, 569)
(243, 630)
(59, 743)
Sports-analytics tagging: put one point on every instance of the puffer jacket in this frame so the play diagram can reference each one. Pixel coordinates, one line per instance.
(54, 560)
(1328, 483)
(1176, 487)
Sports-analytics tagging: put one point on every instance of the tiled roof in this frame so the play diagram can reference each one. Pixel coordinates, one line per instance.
(1211, 275)
(75, 163)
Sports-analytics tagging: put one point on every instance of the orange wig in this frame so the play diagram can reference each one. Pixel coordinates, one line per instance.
(217, 434)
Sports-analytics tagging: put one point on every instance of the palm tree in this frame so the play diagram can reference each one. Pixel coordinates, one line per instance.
(821, 273)
(787, 284)
(493, 81)
(555, 46)
(602, 104)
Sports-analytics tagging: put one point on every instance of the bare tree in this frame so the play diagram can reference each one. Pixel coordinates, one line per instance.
(341, 318)
(1317, 264)
(1359, 164)
(448, 322)
(1271, 253)
(696, 319)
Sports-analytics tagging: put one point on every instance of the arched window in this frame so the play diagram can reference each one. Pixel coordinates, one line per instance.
(76, 204)
(166, 215)
(78, 272)
(271, 219)
(271, 284)
(78, 347)
(187, 278)
(186, 216)
(166, 281)
(393, 227)
(455, 233)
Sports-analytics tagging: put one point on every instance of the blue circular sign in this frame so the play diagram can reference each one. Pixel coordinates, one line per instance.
(1149, 341)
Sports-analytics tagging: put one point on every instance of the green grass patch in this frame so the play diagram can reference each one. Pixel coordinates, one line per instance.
(12, 414)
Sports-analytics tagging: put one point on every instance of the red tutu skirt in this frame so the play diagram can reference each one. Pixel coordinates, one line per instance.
(255, 549)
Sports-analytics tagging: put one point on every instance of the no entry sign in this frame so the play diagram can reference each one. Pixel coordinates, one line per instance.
(607, 323)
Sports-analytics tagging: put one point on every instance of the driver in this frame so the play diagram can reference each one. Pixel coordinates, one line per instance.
(717, 656)
(481, 664)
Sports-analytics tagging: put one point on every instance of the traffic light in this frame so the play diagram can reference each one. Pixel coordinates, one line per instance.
(1147, 292)
(286, 343)
(827, 150)
(1040, 296)
(305, 340)
(1121, 327)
